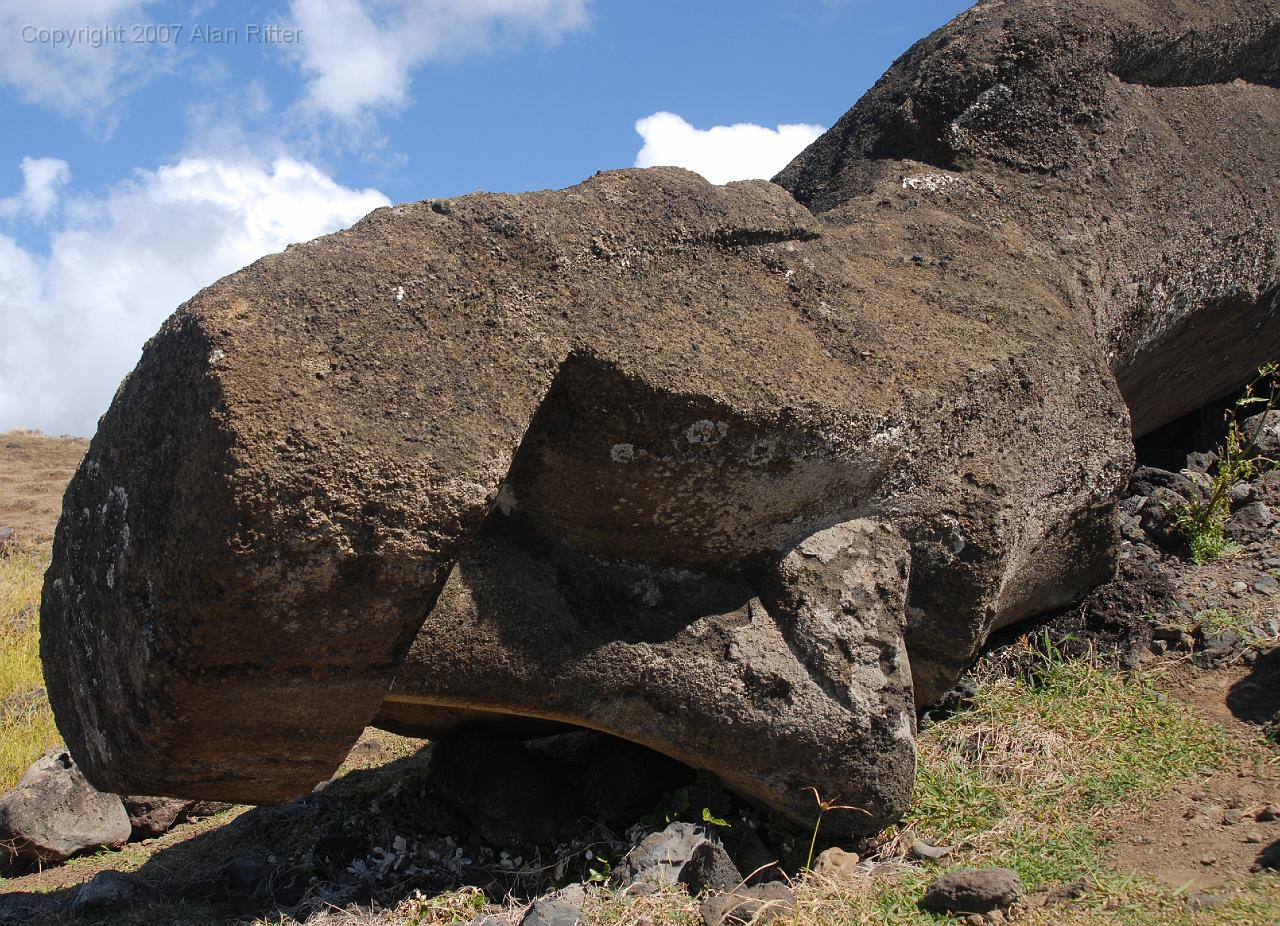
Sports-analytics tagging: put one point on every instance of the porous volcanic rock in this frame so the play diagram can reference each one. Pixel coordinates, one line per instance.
(974, 890)
(1135, 141)
(691, 465)
(54, 813)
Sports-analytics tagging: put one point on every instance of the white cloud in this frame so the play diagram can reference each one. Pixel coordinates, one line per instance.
(75, 319)
(62, 54)
(42, 183)
(724, 152)
(359, 54)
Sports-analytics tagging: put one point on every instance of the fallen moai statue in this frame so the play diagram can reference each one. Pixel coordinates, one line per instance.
(740, 473)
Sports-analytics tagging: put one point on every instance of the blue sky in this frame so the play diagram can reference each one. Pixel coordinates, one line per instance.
(197, 136)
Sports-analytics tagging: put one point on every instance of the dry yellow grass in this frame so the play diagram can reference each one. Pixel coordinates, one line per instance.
(26, 723)
(34, 471)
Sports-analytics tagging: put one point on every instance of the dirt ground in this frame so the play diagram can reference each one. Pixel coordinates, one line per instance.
(1214, 830)
(34, 471)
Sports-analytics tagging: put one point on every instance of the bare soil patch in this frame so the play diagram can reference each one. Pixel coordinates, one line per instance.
(1214, 829)
(34, 472)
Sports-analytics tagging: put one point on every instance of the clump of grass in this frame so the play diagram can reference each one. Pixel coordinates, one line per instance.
(26, 723)
(1042, 755)
(1030, 777)
(1249, 626)
(1203, 520)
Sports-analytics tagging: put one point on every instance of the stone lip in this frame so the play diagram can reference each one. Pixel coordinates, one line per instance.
(651, 397)
(802, 684)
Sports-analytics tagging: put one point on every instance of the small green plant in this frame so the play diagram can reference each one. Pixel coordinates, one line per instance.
(823, 808)
(705, 801)
(599, 874)
(709, 817)
(1203, 520)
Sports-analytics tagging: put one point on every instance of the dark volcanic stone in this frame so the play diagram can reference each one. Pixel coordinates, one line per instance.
(1250, 522)
(563, 908)
(1160, 516)
(1263, 432)
(661, 857)
(1146, 479)
(153, 816)
(761, 903)
(667, 459)
(710, 869)
(974, 890)
(1069, 104)
(110, 891)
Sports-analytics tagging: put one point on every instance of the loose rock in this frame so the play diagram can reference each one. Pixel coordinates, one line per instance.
(1250, 522)
(561, 909)
(761, 903)
(1146, 479)
(974, 890)
(661, 857)
(1200, 902)
(749, 853)
(710, 869)
(1263, 429)
(928, 852)
(837, 865)
(54, 813)
(154, 816)
(109, 891)
(1160, 515)
(1071, 891)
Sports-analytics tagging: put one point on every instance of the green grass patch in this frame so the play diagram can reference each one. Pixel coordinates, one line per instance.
(26, 723)
(1203, 519)
(1042, 754)
(1250, 626)
(1031, 777)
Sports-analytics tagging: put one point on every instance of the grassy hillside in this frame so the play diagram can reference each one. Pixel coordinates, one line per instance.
(26, 725)
(34, 471)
